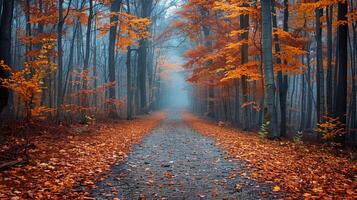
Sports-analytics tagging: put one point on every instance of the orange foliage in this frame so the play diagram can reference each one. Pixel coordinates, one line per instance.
(28, 82)
(131, 28)
(330, 128)
(223, 58)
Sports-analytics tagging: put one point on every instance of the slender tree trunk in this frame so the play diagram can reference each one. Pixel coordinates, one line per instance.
(310, 97)
(282, 78)
(84, 96)
(208, 44)
(40, 30)
(88, 37)
(271, 112)
(28, 30)
(79, 56)
(302, 107)
(5, 46)
(142, 68)
(95, 84)
(129, 103)
(244, 25)
(59, 57)
(154, 82)
(292, 96)
(329, 83)
(129, 95)
(237, 103)
(320, 86)
(70, 61)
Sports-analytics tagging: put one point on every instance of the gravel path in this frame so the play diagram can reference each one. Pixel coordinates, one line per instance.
(175, 162)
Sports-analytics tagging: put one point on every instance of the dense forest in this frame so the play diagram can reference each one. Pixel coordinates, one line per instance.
(73, 60)
(290, 63)
(69, 60)
(101, 75)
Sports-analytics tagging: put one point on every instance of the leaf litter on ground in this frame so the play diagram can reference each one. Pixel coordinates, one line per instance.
(301, 172)
(62, 162)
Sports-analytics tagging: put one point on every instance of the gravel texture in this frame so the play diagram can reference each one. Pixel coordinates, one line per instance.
(175, 162)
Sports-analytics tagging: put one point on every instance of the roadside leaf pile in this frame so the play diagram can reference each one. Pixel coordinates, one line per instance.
(61, 164)
(301, 171)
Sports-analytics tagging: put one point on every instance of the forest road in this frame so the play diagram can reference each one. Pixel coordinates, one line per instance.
(175, 162)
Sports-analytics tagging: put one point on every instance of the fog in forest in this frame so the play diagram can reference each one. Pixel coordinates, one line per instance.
(175, 84)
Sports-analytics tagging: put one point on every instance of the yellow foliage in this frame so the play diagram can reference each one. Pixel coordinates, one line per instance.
(330, 128)
(131, 28)
(249, 69)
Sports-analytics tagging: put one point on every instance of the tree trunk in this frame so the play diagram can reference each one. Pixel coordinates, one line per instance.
(59, 57)
(353, 114)
(95, 84)
(70, 61)
(84, 96)
(129, 103)
(5, 46)
(208, 44)
(341, 95)
(302, 107)
(146, 9)
(244, 25)
(310, 97)
(237, 103)
(268, 68)
(282, 78)
(329, 83)
(320, 88)
(115, 7)
(142, 67)
(28, 30)
(129, 95)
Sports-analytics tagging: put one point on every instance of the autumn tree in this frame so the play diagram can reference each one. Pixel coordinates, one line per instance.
(114, 8)
(342, 54)
(60, 56)
(319, 67)
(268, 68)
(129, 99)
(282, 74)
(87, 54)
(145, 8)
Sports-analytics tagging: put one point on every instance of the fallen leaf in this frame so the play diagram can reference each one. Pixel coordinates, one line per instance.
(276, 189)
